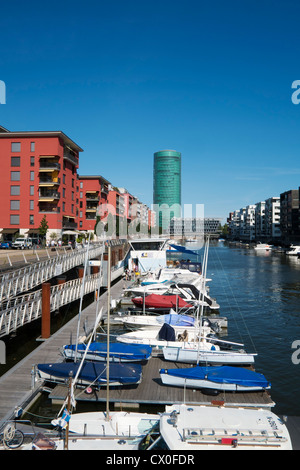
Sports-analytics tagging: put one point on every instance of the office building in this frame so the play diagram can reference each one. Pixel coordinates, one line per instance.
(167, 186)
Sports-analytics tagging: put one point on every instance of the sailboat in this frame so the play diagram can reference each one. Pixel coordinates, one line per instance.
(192, 428)
(117, 352)
(91, 373)
(222, 378)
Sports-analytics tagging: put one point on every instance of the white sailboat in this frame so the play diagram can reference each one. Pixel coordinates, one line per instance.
(164, 336)
(190, 428)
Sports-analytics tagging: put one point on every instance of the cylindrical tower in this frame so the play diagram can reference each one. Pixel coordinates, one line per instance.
(167, 184)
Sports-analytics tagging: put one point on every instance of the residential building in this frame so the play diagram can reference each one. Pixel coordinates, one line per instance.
(260, 221)
(38, 177)
(289, 217)
(272, 219)
(93, 198)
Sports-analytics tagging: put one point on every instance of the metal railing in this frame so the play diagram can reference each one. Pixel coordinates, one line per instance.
(27, 308)
(21, 280)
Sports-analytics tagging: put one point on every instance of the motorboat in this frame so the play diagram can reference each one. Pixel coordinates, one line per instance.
(134, 322)
(220, 378)
(97, 351)
(191, 428)
(263, 246)
(161, 302)
(294, 250)
(90, 373)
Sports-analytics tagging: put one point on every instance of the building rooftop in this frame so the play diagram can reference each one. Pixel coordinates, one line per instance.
(5, 133)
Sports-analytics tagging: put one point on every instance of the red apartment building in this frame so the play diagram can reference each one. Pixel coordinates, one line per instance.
(38, 177)
(93, 192)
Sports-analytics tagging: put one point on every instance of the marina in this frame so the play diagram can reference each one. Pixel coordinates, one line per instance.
(19, 388)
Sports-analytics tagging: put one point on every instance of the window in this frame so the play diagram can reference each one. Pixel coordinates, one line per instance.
(31, 161)
(64, 192)
(31, 205)
(15, 190)
(72, 183)
(64, 179)
(32, 146)
(14, 205)
(31, 191)
(80, 214)
(16, 146)
(81, 184)
(14, 219)
(15, 176)
(72, 208)
(31, 219)
(81, 194)
(15, 161)
(32, 176)
(72, 195)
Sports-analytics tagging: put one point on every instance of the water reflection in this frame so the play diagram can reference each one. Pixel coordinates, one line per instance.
(260, 295)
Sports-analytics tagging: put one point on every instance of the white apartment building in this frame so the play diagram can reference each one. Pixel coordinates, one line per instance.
(272, 217)
(260, 222)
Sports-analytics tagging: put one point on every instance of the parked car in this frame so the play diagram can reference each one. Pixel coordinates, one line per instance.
(5, 244)
(22, 243)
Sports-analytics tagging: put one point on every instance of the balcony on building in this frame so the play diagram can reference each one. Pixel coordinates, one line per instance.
(71, 156)
(47, 195)
(48, 207)
(69, 222)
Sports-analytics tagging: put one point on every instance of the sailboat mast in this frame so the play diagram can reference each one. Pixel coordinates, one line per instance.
(203, 289)
(108, 330)
(82, 295)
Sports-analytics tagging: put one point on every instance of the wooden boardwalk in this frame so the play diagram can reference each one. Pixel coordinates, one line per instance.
(151, 391)
(16, 384)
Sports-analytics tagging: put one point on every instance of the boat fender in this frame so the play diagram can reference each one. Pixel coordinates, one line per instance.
(88, 390)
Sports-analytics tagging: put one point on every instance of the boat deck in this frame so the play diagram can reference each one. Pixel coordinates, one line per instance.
(151, 391)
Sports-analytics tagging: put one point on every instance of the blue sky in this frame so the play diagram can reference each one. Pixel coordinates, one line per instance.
(125, 79)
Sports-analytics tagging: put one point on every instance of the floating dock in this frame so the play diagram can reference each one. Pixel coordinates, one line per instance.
(151, 391)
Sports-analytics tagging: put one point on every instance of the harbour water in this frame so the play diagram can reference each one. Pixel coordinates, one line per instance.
(260, 295)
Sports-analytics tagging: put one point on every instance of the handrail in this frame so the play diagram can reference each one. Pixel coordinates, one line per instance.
(26, 278)
(27, 308)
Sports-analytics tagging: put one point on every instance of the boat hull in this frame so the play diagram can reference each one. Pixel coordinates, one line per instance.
(193, 356)
(91, 372)
(223, 378)
(117, 352)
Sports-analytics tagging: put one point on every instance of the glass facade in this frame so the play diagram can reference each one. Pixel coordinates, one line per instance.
(167, 185)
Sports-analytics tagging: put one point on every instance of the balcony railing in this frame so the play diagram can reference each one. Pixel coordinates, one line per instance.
(72, 158)
(49, 165)
(48, 181)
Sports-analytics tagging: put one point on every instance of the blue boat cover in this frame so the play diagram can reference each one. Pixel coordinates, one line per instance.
(222, 374)
(95, 372)
(120, 350)
(176, 319)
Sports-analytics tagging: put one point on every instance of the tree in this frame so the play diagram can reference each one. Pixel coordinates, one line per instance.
(43, 228)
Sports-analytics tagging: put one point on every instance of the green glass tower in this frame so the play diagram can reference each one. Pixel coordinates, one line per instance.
(167, 185)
